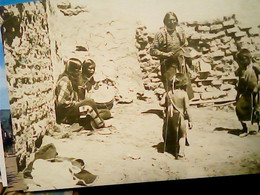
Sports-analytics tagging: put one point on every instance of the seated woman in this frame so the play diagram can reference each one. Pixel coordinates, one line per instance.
(88, 70)
(70, 105)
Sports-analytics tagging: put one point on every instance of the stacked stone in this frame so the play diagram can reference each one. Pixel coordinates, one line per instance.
(29, 76)
(218, 42)
(150, 66)
(215, 44)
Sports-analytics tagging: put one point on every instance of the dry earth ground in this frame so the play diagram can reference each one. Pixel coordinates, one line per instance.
(129, 150)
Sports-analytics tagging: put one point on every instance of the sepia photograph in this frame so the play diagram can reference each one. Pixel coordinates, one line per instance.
(116, 92)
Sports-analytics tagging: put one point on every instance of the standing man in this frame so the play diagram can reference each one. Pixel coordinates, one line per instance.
(167, 46)
(69, 108)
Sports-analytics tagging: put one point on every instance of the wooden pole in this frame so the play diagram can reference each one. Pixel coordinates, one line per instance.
(223, 101)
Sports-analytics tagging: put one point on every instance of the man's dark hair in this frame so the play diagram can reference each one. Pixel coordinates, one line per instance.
(167, 16)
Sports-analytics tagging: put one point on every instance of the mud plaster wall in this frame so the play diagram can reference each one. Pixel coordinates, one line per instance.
(29, 75)
(76, 30)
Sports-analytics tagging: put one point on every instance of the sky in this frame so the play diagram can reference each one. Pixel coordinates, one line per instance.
(4, 98)
(4, 102)
(8, 2)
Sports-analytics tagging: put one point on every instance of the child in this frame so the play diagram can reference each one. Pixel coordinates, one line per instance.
(247, 99)
(177, 114)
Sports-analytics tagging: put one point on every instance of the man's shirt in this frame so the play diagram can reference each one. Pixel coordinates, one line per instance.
(165, 42)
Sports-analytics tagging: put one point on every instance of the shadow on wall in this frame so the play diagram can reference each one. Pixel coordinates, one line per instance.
(29, 75)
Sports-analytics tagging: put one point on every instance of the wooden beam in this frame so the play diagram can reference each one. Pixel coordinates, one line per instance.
(216, 101)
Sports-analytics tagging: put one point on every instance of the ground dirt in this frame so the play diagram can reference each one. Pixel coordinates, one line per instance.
(129, 150)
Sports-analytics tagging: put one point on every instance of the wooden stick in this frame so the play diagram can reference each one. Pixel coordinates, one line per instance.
(213, 101)
(224, 104)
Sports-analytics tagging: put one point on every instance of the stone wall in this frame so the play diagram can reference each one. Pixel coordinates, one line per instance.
(29, 75)
(215, 45)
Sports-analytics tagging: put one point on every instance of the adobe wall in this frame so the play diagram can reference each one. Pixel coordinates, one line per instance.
(29, 75)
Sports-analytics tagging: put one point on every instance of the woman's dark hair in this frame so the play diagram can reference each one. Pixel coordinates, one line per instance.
(86, 64)
(89, 62)
(167, 16)
(85, 67)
